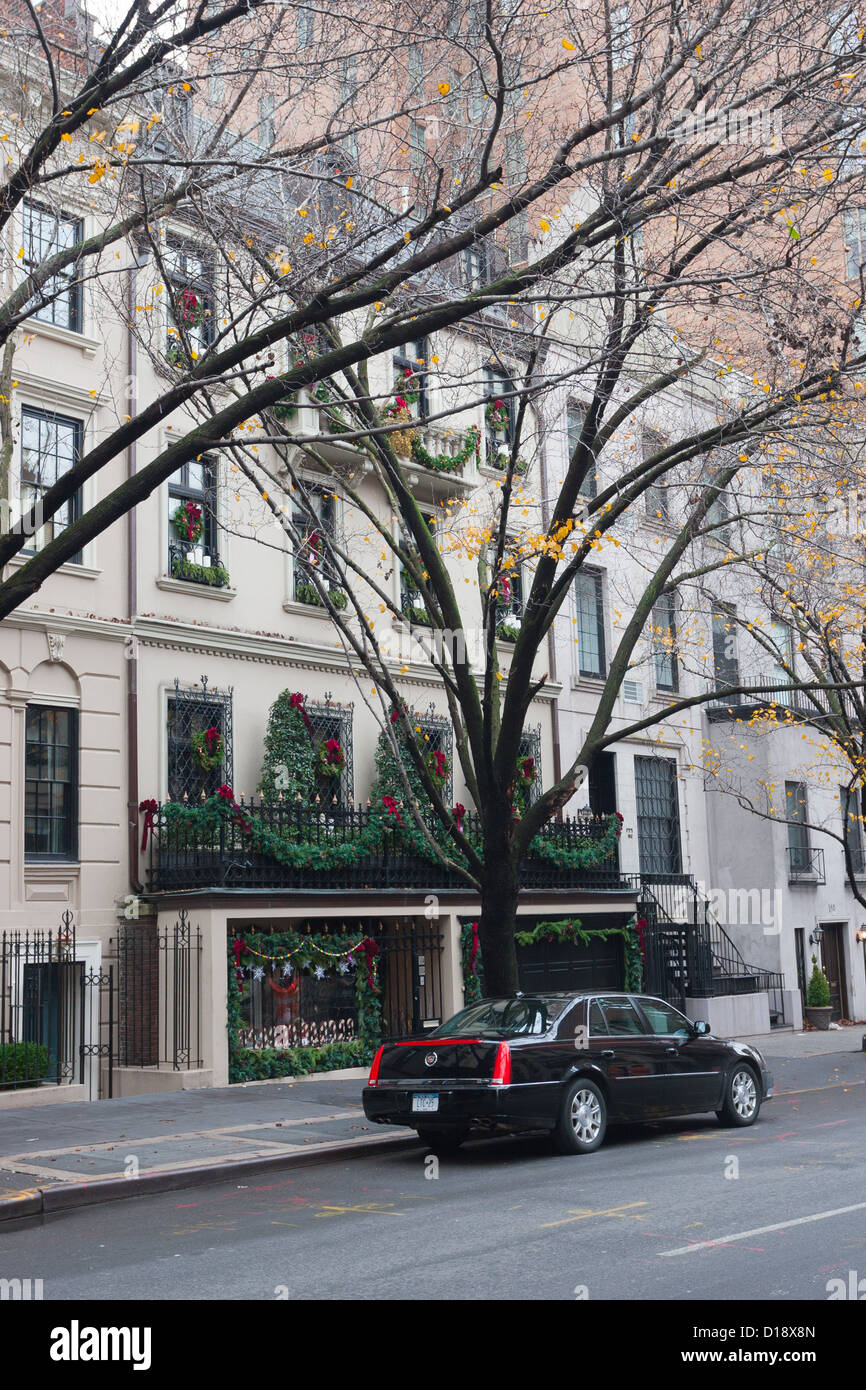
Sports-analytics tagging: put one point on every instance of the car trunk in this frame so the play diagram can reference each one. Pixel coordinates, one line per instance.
(453, 1060)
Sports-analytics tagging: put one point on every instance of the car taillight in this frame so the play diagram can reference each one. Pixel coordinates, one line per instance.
(502, 1066)
(374, 1070)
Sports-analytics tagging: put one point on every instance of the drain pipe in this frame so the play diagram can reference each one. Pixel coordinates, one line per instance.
(551, 638)
(132, 597)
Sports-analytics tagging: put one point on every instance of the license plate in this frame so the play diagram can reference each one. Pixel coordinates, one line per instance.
(426, 1103)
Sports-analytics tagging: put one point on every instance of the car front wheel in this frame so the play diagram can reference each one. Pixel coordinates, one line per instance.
(582, 1119)
(742, 1098)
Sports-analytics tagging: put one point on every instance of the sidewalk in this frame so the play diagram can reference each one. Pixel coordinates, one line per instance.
(59, 1156)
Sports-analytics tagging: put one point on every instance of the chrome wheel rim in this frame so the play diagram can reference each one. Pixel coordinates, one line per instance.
(586, 1116)
(744, 1094)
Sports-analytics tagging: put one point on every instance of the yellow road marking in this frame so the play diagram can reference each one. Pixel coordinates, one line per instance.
(373, 1208)
(583, 1214)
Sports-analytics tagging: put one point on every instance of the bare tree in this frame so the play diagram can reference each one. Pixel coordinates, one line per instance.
(637, 207)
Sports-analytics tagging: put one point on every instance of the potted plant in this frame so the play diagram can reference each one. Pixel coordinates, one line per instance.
(818, 998)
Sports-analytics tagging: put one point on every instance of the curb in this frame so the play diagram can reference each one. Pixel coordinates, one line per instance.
(68, 1196)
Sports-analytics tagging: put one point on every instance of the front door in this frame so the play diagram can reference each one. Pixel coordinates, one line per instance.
(833, 962)
(658, 819)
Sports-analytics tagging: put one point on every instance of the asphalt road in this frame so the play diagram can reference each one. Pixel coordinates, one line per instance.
(503, 1219)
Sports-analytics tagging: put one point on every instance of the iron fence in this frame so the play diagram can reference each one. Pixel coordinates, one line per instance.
(220, 854)
(160, 995)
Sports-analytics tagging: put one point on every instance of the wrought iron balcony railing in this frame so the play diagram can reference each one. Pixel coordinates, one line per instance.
(805, 865)
(336, 847)
(765, 693)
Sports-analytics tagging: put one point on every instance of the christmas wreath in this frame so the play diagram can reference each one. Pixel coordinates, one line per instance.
(188, 522)
(526, 771)
(332, 758)
(497, 415)
(208, 748)
(190, 309)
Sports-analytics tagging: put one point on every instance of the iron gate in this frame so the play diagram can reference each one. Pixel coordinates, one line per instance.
(56, 1012)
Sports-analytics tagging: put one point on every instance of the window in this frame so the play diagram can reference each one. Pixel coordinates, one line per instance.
(192, 530)
(410, 378)
(843, 30)
(216, 83)
(719, 510)
(51, 783)
(622, 1017)
(190, 286)
(348, 92)
(45, 234)
(499, 388)
(782, 640)
(854, 232)
(267, 128)
(658, 817)
(476, 265)
(331, 735)
(190, 712)
(621, 47)
(575, 415)
(852, 826)
(656, 495)
(597, 1020)
(416, 68)
(306, 28)
(50, 447)
(417, 146)
(412, 604)
(509, 603)
(664, 1021)
(590, 623)
(725, 659)
(529, 750)
(796, 812)
(664, 641)
(310, 554)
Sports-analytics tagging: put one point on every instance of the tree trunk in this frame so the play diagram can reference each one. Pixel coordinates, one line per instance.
(500, 889)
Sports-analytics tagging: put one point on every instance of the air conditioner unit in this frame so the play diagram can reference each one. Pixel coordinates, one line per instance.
(632, 692)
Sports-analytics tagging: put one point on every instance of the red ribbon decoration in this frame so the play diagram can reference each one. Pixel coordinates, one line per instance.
(150, 809)
(459, 813)
(226, 794)
(371, 951)
(475, 945)
(238, 947)
(297, 702)
(640, 928)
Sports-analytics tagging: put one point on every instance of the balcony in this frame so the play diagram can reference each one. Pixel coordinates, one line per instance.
(767, 693)
(195, 565)
(805, 866)
(262, 846)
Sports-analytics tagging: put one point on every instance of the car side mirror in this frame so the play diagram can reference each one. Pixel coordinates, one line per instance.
(702, 1028)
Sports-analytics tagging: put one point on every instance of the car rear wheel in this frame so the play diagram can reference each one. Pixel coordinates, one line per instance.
(582, 1119)
(742, 1098)
(442, 1141)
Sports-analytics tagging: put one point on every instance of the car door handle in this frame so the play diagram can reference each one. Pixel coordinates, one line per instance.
(672, 1052)
(608, 1052)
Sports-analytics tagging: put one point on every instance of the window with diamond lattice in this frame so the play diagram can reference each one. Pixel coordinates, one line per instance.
(436, 736)
(192, 712)
(332, 739)
(530, 747)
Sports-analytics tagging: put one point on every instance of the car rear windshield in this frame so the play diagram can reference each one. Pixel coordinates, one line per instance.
(504, 1017)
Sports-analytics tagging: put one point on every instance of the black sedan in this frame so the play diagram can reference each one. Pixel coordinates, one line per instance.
(563, 1063)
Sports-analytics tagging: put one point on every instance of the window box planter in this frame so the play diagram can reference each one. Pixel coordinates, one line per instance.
(308, 594)
(213, 575)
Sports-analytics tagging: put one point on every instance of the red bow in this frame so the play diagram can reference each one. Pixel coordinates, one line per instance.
(640, 928)
(473, 954)
(459, 813)
(391, 807)
(297, 702)
(238, 947)
(150, 809)
(371, 951)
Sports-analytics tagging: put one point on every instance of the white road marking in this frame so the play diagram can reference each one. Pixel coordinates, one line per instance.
(764, 1230)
